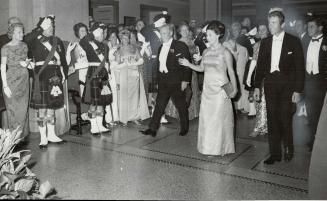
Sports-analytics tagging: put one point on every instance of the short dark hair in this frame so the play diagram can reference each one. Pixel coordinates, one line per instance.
(278, 14)
(77, 27)
(217, 27)
(317, 20)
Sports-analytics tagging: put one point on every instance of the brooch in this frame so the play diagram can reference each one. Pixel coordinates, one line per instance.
(172, 51)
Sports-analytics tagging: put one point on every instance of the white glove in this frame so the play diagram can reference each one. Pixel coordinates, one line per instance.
(145, 44)
(46, 24)
(197, 57)
(97, 32)
(160, 22)
(27, 64)
(7, 92)
(71, 70)
(253, 31)
(71, 46)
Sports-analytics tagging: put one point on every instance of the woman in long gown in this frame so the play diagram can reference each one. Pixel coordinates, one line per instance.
(260, 127)
(193, 93)
(131, 94)
(112, 115)
(241, 57)
(16, 79)
(216, 124)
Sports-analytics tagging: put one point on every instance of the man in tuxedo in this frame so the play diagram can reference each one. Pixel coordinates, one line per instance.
(150, 34)
(316, 74)
(172, 81)
(281, 64)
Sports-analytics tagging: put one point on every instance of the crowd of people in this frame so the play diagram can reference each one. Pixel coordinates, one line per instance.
(132, 73)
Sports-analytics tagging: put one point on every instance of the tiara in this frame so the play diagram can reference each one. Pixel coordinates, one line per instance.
(275, 9)
(164, 12)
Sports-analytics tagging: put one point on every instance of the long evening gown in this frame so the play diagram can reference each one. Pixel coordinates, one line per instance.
(241, 58)
(216, 124)
(260, 126)
(18, 83)
(132, 100)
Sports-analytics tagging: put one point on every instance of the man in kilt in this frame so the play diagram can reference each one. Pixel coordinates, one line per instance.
(97, 91)
(48, 53)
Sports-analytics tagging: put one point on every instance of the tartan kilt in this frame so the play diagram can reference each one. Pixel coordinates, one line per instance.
(51, 77)
(93, 87)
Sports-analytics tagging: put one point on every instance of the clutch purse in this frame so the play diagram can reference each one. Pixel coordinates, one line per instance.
(228, 88)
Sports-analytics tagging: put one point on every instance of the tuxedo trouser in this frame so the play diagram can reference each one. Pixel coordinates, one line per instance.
(314, 95)
(280, 110)
(165, 92)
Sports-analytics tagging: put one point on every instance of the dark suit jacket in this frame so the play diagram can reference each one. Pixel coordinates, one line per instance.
(322, 60)
(291, 62)
(176, 73)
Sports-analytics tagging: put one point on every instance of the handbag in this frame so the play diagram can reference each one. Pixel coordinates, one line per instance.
(228, 88)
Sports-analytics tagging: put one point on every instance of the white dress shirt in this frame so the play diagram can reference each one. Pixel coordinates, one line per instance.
(312, 65)
(163, 56)
(276, 50)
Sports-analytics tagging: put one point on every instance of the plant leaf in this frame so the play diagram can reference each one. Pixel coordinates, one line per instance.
(24, 185)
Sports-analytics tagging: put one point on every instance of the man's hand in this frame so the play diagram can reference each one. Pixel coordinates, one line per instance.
(296, 97)
(184, 85)
(256, 94)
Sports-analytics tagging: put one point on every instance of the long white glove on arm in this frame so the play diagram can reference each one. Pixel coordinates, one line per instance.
(6, 89)
(253, 64)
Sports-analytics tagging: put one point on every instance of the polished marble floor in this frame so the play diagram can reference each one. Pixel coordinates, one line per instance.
(127, 165)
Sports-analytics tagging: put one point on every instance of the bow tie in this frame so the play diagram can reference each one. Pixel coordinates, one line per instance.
(317, 39)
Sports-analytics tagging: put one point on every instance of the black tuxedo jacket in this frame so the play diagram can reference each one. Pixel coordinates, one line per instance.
(176, 73)
(322, 61)
(291, 62)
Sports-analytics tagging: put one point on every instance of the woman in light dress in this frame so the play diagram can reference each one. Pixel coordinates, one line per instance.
(132, 103)
(15, 79)
(241, 57)
(260, 127)
(216, 124)
(112, 114)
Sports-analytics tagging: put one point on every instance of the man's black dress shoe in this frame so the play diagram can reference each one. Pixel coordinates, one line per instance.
(149, 132)
(183, 133)
(43, 146)
(271, 160)
(288, 154)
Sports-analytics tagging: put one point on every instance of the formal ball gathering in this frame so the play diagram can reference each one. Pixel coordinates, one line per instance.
(163, 99)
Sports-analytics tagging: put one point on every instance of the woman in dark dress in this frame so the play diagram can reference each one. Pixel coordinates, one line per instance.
(16, 79)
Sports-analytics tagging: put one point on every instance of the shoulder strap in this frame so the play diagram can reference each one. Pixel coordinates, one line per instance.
(102, 65)
(50, 55)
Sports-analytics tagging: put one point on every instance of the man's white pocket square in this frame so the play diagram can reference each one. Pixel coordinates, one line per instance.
(177, 55)
(289, 52)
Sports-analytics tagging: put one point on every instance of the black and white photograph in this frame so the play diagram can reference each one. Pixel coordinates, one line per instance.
(163, 99)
